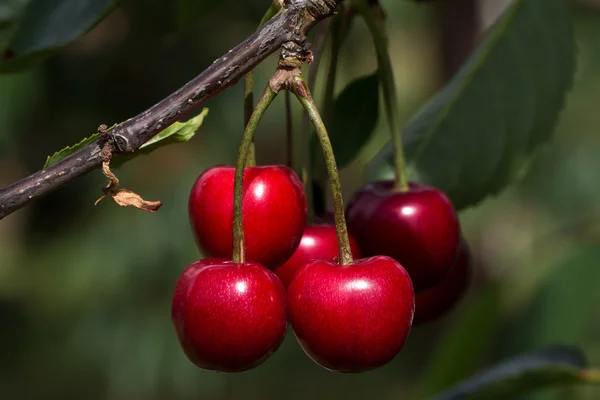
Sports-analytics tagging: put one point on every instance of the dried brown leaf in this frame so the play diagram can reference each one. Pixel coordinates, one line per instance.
(127, 198)
(123, 197)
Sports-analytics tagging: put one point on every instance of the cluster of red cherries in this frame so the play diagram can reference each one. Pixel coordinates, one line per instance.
(231, 317)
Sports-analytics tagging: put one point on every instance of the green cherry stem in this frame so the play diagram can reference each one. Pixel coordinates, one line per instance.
(332, 69)
(389, 90)
(302, 92)
(320, 42)
(249, 85)
(336, 30)
(339, 28)
(248, 109)
(239, 248)
(289, 131)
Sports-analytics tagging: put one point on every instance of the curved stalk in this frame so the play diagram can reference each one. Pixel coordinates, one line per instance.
(289, 131)
(389, 90)
(249, 85)
(302, 92)
(239, 248)
(305, 134)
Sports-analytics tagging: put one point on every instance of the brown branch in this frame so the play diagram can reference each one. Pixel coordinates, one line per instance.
(292, 23)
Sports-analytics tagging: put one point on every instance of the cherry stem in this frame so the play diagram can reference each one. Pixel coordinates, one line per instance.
(306, 134)
(249, 85)
(239, 248)
(335, 27)
(332, 69)
(289, 129)
(338, 30)
(248, 109)
(302, 92)
(377, 29)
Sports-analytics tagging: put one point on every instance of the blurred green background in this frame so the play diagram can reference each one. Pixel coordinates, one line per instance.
(85, 291)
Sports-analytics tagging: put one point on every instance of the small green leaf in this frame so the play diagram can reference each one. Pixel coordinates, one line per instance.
(355, 115)
(477, 134)
(176, 133)
(67, 151)
(557, 365)
(48, 25)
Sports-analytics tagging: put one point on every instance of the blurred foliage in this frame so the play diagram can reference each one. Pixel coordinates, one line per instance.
(85, 291)
(546, 367)
(45, 26)
(464, 346)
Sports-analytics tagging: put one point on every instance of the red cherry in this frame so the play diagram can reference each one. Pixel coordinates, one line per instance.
(273, 207)
(319, 242)
(419, 228)
(351, 318)
(228, 317)
(440, 299)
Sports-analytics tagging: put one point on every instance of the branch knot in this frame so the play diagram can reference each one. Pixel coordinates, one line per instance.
(319, 9)
(294, 54)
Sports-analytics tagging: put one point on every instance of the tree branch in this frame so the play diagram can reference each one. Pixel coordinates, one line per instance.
(292, 23)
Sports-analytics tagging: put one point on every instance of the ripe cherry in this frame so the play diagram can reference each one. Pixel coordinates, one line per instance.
(419, 228)
(229, 317)
(437, 301)
(351, 318)
(319, 242)
(273, 207)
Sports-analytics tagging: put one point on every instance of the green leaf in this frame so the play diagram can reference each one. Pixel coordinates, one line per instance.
(48, 25)
(355, 115)
(67, 151)
(178, 132)
(477, 134)
(557, 365)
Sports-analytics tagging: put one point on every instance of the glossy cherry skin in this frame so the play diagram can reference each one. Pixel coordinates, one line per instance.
(351, 318)
(439, 300)
(319, 242)
(273, 209)
(229, 317)
(419, 228)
